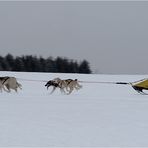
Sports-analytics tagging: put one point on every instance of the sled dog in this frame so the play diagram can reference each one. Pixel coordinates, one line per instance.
(54, 84)
(9, 83)
(67, 85)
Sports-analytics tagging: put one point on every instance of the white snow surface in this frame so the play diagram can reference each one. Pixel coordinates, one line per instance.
(98, 115)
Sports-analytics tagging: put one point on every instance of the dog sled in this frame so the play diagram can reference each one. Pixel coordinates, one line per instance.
(138, 86)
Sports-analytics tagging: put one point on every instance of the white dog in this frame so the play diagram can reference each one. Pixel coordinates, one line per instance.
(68, 84)
(9, 83)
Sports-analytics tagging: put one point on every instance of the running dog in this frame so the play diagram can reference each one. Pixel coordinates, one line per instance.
(9, 83)
(66, 86)
(54, 84)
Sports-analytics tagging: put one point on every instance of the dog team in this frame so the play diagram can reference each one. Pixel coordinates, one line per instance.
(66, 86)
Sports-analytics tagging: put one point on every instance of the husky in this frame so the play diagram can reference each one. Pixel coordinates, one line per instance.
(9, 83)
(54, 84)
(73, 84)
(68, 84)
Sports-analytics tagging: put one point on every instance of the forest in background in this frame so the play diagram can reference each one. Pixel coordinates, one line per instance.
(30, 63)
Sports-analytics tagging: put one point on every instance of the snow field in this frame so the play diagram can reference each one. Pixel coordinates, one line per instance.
(96, 115)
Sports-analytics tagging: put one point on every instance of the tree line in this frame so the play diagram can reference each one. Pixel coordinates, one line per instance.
(30, 63)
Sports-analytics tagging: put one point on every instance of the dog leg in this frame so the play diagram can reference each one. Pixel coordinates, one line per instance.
(7, 90)
(70, 91)
(53, 90)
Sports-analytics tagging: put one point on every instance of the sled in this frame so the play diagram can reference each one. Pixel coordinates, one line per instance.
(140, 86)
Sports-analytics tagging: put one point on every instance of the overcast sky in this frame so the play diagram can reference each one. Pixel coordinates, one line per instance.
(112, 36)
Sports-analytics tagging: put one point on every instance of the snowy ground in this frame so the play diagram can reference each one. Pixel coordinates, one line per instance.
(97, 115)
